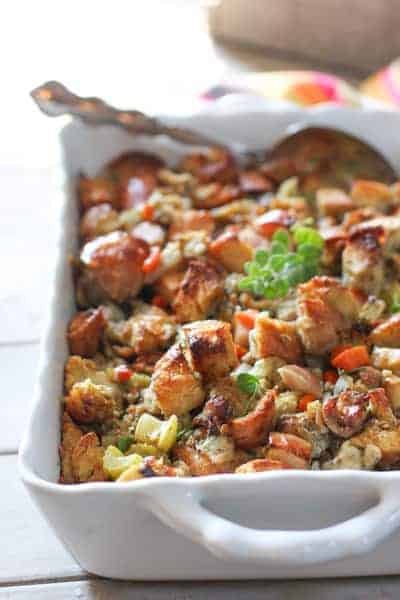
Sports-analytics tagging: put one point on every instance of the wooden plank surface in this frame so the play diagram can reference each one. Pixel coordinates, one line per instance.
(346, 589)
(29, 549)
(19, 365)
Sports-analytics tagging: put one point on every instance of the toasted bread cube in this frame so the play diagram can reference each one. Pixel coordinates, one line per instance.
(274, 337)
(261, 464)
(387, 440)
(391, 383)
(370, 193)
(78, 369)
(363, 264)
(84, 332)
(148, 330)
(326, 309)
(98, 220)
(199, 292)
(87, 459)
(211, 455)
(88, 402)
(231, 251)
(191, 220)
(386, 358)
(113, 263)
(167, 286)
(70, 436)
(209, 348)
(252, 430)
(388, 333)
(177, 390)
(333, 202)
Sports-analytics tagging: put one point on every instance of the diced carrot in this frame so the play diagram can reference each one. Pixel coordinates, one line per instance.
(152, 261)
(159, 301)
(305, 400)
(339, 349)
(330, 376)
(247, 318)
(351, 358)
(147, 212)
(240, 351)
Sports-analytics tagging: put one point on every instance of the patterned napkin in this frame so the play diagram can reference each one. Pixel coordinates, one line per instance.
(308, 88)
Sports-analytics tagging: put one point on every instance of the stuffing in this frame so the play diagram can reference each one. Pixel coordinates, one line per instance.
(233, 319)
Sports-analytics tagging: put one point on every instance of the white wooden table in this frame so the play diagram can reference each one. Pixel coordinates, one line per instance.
(150, 54)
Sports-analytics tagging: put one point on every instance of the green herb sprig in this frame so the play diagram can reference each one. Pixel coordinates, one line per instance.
(249, 384)
(272, 274)
(124, 442)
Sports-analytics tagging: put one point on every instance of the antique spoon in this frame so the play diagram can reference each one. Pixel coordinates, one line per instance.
(322, 155)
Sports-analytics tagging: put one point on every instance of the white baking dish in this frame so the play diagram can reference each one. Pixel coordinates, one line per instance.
(276, 524)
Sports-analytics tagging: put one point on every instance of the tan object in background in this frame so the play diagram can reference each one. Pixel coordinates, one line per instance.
(358, 35)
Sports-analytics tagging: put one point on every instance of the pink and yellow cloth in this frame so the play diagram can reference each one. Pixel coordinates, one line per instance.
(308, 88)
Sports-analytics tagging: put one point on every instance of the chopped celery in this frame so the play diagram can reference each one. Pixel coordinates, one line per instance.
(151, 430)
(115, 463)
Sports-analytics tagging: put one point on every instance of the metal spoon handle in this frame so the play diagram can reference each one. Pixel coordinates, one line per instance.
(54, 99)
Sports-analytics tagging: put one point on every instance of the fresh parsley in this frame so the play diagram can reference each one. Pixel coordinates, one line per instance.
(124, 442)
(273, 273)
(248, 383)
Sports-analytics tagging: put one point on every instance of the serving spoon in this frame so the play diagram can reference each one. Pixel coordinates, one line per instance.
(321, 155)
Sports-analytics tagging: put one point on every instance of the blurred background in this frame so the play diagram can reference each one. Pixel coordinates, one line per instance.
(154, 55)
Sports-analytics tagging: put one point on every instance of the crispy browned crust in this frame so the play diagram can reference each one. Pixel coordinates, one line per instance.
(252, 430)
(209, 348)
(176, 388)
(191, 220)
(70, 436)
(326, 311)
(199, 292)
(362, 262)
(387, 333)
(87, 459)
(384, 437)
(116, 265)
(90, 403)
(277, 338)
(84, 332)
(231, 251)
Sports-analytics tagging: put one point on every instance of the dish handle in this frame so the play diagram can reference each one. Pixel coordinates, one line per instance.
(183, 511)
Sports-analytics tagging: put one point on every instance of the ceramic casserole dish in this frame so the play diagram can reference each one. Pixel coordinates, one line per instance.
(280, 524)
